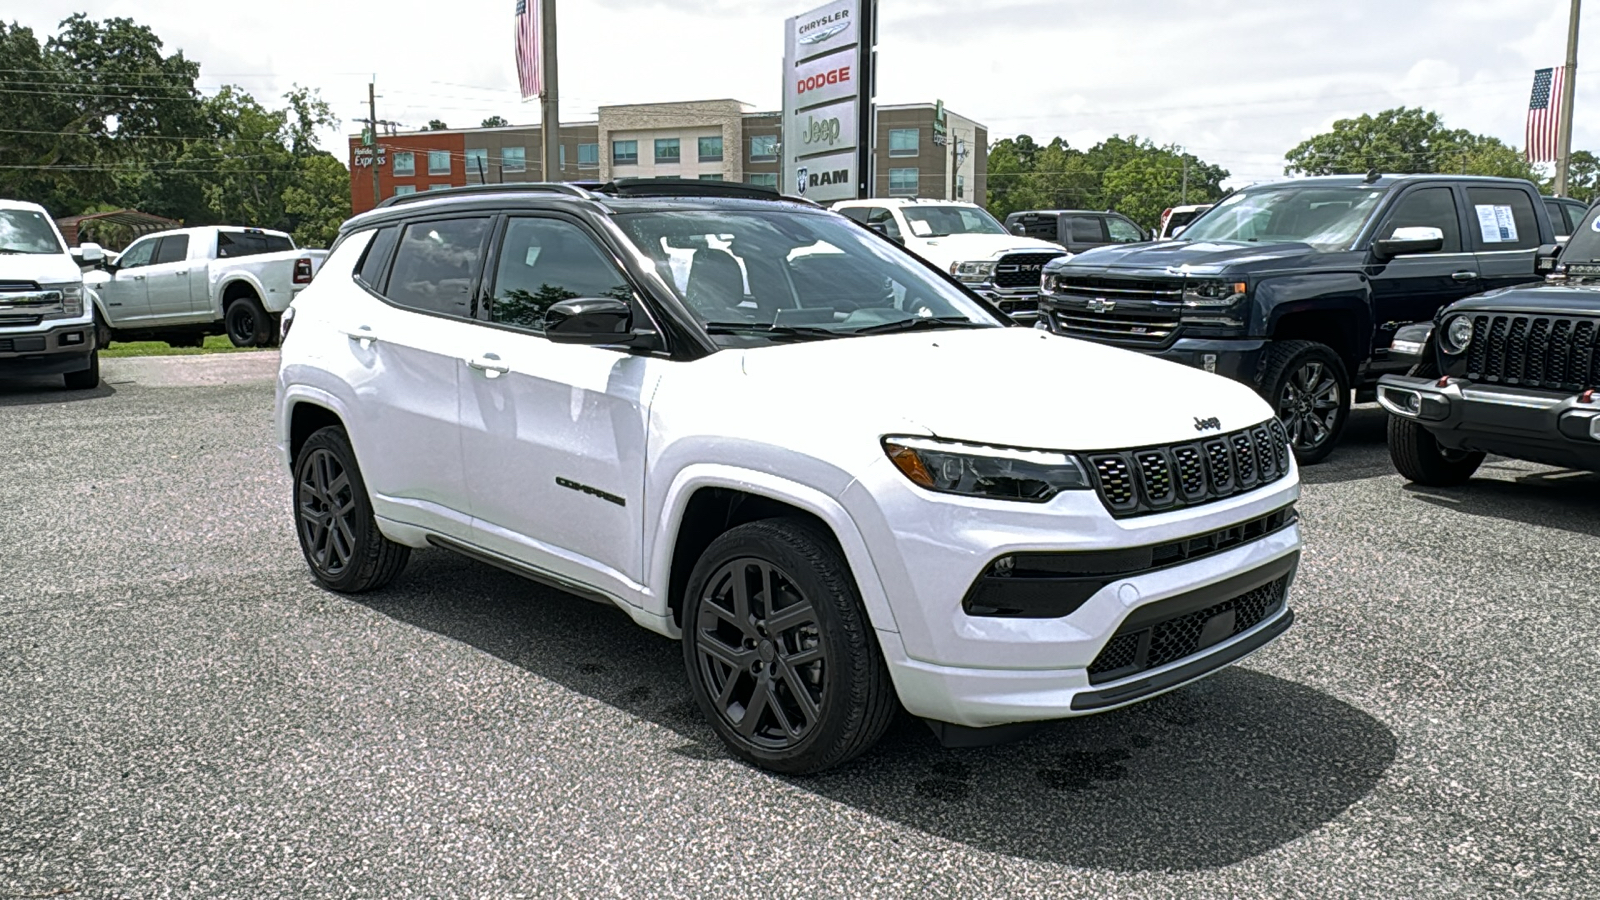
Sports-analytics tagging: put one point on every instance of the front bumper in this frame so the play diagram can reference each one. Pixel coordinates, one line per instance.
(1542, 426)
(49, 350)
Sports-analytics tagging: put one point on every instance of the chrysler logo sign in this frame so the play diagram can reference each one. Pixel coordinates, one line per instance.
(820, 35)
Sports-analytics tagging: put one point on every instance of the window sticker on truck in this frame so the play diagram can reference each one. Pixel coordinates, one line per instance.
(1497, 224)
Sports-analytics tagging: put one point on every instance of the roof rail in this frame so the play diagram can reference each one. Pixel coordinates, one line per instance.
(532, 187)
(686, 187)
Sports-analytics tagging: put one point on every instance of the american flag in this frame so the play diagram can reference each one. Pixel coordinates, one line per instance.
(528, 48)
(1544, 114)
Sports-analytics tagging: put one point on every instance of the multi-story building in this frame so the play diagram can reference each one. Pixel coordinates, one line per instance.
(720, 140)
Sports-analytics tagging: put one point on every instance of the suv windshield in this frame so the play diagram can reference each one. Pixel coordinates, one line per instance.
(772, 274)
(25, 231)
(943, 221)
(1325, 217)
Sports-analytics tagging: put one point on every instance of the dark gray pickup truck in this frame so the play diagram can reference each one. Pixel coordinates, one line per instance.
(1298, 287)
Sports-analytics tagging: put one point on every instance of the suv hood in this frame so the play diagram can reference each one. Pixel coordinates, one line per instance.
(1015, 387)
(1217, 255)
(43, 268)
(942, 251)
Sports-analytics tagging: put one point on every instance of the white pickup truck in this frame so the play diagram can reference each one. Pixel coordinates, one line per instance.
(45, 328)
(179, 286)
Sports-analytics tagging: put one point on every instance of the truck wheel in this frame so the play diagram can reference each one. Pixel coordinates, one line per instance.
(1308, 387)
(1422, 459)
(102, 332)
(781, 657)
(89, 378)
(247, 323)
(333, 517)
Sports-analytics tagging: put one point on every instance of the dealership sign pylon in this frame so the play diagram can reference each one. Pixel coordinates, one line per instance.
(828, 109)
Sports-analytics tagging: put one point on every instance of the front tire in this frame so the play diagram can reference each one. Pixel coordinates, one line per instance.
(88, 379)
(1420, 458)
(1309, 389)
(781, 657)
(248, 323)
(333, 517)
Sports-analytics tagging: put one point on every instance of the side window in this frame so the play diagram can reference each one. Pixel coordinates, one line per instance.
(1502, 218)
(1433, 207)
(878, 215)
(370, 272)
(137, 255)
(857, 213)
(1084, 230)
(543, 262)
(1122, 231)
(1558, 216)
(174, 248)
(434, 266)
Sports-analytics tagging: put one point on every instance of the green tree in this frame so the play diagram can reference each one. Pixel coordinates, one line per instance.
(1131, 175)
(1404, 141)
(318, 200)
(1583, 176)
(436, 125)
(495, 122)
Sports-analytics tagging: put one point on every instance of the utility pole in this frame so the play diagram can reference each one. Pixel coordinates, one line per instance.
(550, 110)
(1185, 200)
(372, 123)
(1569, 83)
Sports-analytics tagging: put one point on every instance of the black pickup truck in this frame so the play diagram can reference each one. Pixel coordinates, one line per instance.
(1298, 287)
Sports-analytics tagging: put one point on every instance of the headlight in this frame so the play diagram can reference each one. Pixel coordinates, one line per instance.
(1212, 294)
(71, 298)
(974, 272)
(1031, 476)
(1457, 335)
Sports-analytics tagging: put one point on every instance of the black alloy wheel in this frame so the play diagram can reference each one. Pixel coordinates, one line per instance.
(334, 520)
(761, 654)
(247, 323)
(1307, 386)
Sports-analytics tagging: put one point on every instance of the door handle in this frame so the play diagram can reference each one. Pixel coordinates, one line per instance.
(364, 334)
(138, 278)
(489, 364)
(1464, 276)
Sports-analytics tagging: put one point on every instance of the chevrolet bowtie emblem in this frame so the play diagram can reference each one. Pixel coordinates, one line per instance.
(1101, 305)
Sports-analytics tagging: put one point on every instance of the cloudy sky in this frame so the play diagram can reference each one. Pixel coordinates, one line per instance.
(1238, 83)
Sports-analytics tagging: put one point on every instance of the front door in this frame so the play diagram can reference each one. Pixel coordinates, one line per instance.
(554, 434)
(167, 279)
(126, 294)
(1411, 288)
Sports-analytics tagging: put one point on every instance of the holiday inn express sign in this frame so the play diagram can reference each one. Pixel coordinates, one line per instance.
(827, 101)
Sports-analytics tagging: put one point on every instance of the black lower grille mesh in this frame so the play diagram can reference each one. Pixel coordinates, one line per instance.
(1153, 645)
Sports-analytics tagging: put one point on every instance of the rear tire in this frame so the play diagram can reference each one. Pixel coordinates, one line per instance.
(1309, 389)
(1421, 459)
(334, 520)
(88, 379)
(247, 323)
(782, 659)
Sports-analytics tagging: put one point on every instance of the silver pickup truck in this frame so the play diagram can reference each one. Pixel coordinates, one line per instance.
(180, 286)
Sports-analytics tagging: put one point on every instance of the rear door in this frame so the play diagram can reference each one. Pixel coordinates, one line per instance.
(1411, 288)
(1504, 228)
(167, 279)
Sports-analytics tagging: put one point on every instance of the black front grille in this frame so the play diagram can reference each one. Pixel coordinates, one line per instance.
(1554, 352)
(1151, 645)
(1017, 270)
(1156, 479)
(1147, 289)
(1135, 311)
(1134, 329)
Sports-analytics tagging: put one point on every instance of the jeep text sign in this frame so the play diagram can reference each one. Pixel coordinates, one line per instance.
(826, 109)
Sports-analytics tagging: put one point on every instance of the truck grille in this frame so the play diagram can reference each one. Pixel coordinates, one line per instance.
(1555, 352)
(1134, 330)
(1137, 312)
(1021, 270)
(1158, 479)
(1153, 645)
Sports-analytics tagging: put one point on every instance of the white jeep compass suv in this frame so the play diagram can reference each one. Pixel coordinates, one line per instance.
(767, 432)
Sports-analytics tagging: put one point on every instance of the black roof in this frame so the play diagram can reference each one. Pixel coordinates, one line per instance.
(1381, 181)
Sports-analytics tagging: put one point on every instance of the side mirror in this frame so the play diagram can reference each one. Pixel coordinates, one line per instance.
(1411, 239)
(880, 228)
(1019, 229)
(1544, 262)
(591, 320)
(89, 254)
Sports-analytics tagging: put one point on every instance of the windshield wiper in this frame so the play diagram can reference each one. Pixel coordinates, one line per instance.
(919, 323)
(800, 332)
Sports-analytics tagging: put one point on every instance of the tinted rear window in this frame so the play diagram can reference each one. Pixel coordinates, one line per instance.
(173, 248)
(245, 243)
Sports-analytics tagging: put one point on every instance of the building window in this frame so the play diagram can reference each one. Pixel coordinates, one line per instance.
(666, 150)
(903, 141)
(710, 177)
(513, 159)
(624, 153)
(763, 179)
(438, 162)
(711, 149)
(478, 163)
(405, 164)
(561, 156)
(961, 186)
(764, 148)
(902, 182)
(404, 189)
(588, 156)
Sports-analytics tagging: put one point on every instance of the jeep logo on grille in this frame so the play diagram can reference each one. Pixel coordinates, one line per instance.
(1101, 305)
(1211, 424)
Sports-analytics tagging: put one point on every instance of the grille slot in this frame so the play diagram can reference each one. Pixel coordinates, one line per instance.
(1161, 643)
(1554, 352)
(1150, 479)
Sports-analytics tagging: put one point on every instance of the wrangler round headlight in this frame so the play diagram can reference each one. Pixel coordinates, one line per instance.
(1457, 335)
(1000, 473)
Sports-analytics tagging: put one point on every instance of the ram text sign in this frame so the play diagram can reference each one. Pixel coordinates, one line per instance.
(823, 97)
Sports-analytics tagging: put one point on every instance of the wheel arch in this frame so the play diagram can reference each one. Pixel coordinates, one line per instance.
(237, 286)
(1326, 307)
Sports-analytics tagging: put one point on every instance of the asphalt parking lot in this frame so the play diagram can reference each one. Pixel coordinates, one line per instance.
(182, 713)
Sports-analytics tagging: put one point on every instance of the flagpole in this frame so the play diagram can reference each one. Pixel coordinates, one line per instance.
(550, 110)
(1569, 82)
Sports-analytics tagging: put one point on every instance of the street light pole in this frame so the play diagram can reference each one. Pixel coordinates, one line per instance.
(550, 109)
(1569, 83)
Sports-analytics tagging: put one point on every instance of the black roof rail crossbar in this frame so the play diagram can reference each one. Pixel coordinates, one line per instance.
(687, 187)
(536, 187)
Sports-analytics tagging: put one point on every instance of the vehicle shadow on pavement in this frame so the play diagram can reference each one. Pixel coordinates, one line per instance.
(1363, 450)
(40, 391)
(1204, 777)
(1551, 498)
